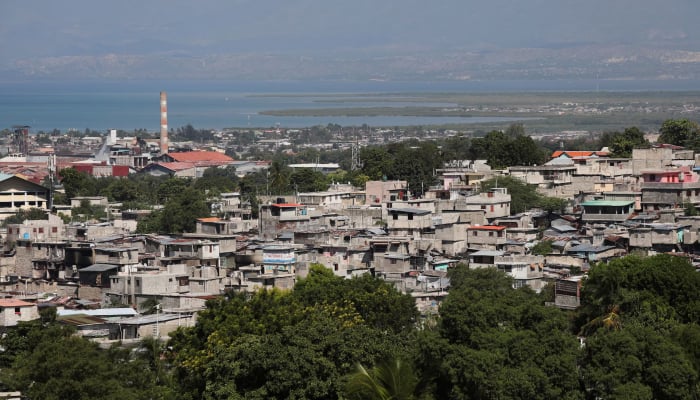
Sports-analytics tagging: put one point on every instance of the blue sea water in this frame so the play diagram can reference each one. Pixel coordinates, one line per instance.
(131, 105)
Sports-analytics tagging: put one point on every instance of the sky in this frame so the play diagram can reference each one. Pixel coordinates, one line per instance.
(50, 28)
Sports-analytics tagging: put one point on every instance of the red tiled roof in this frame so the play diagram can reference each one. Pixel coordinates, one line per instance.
(14, 303)
(487, 227)
(196, 156)
(177, 166)
(209, 219)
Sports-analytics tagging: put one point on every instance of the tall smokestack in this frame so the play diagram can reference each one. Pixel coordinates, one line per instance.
(163, 123)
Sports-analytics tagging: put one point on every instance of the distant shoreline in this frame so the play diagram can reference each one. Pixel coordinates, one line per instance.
(297, 104)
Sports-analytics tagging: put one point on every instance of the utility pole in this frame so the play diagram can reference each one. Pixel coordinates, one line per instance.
(157, 321)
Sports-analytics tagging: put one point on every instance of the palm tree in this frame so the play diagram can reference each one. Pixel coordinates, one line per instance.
(278, 177)
(611, 320)
(393, 379)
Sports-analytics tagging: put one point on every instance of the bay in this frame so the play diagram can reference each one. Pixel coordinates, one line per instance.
(128, 105)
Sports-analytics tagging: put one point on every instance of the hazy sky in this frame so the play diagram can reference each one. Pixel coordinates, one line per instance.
(40, 28)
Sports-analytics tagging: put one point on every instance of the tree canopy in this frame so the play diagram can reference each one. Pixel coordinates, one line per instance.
(331, 337)
(681, 132)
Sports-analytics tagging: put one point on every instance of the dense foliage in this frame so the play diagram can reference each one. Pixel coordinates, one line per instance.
(335, 338)
(296, 344)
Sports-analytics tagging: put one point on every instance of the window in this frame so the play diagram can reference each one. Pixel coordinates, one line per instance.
(54, 229)
(500, 234)
(41, 230)
(17, 311)
(410, 217)
(395, 216)
(483, 207)
(393, 261)
(490, 234)
(474, 233)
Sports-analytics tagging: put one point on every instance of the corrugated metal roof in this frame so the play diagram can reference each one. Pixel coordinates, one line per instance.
(488, 253)
(99, 268)
(587, 248)
(100, 312)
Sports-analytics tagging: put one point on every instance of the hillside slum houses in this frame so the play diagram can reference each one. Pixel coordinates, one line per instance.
(115, 284)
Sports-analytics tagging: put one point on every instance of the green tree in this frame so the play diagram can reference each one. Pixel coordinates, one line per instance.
(500, 342)
(505, 149)
(623, 143)
(543, 247)
(379, 304)
(376, 162)
(681, 132)
(392, 379)
(278, 176)
(23, 215)
(523, 196)
(272, 345)
(179, 214)
(308, 180)
(650, 360)
(655, 290)
(217, 180)
(76, 183)
(415, 162)
(53, 365)
(121, 190)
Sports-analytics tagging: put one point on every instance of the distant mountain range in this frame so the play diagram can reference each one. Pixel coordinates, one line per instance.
(574, 62)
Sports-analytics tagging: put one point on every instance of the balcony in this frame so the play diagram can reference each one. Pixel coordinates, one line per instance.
(671, 185)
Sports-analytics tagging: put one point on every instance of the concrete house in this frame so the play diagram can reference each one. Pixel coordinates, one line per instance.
(346, 252)
(408, 221)
(17, 194)
(451, 232)
(567, 292)
(329, 200)
(391, 257)
(378, 192)
(594, 253)
(187, 251)
(486, 237)
(606, 211)
(13, 311)
(669, 188)
(125, 258)
(554, 177)
(495, 203)
(459, 176)
(136, 287)
(279, 218)
(484, 258)
(275, 267)
(526, 270)
(658, 237)
(90, 200)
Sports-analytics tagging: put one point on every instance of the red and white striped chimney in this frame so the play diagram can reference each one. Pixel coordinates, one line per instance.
(163, 123)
